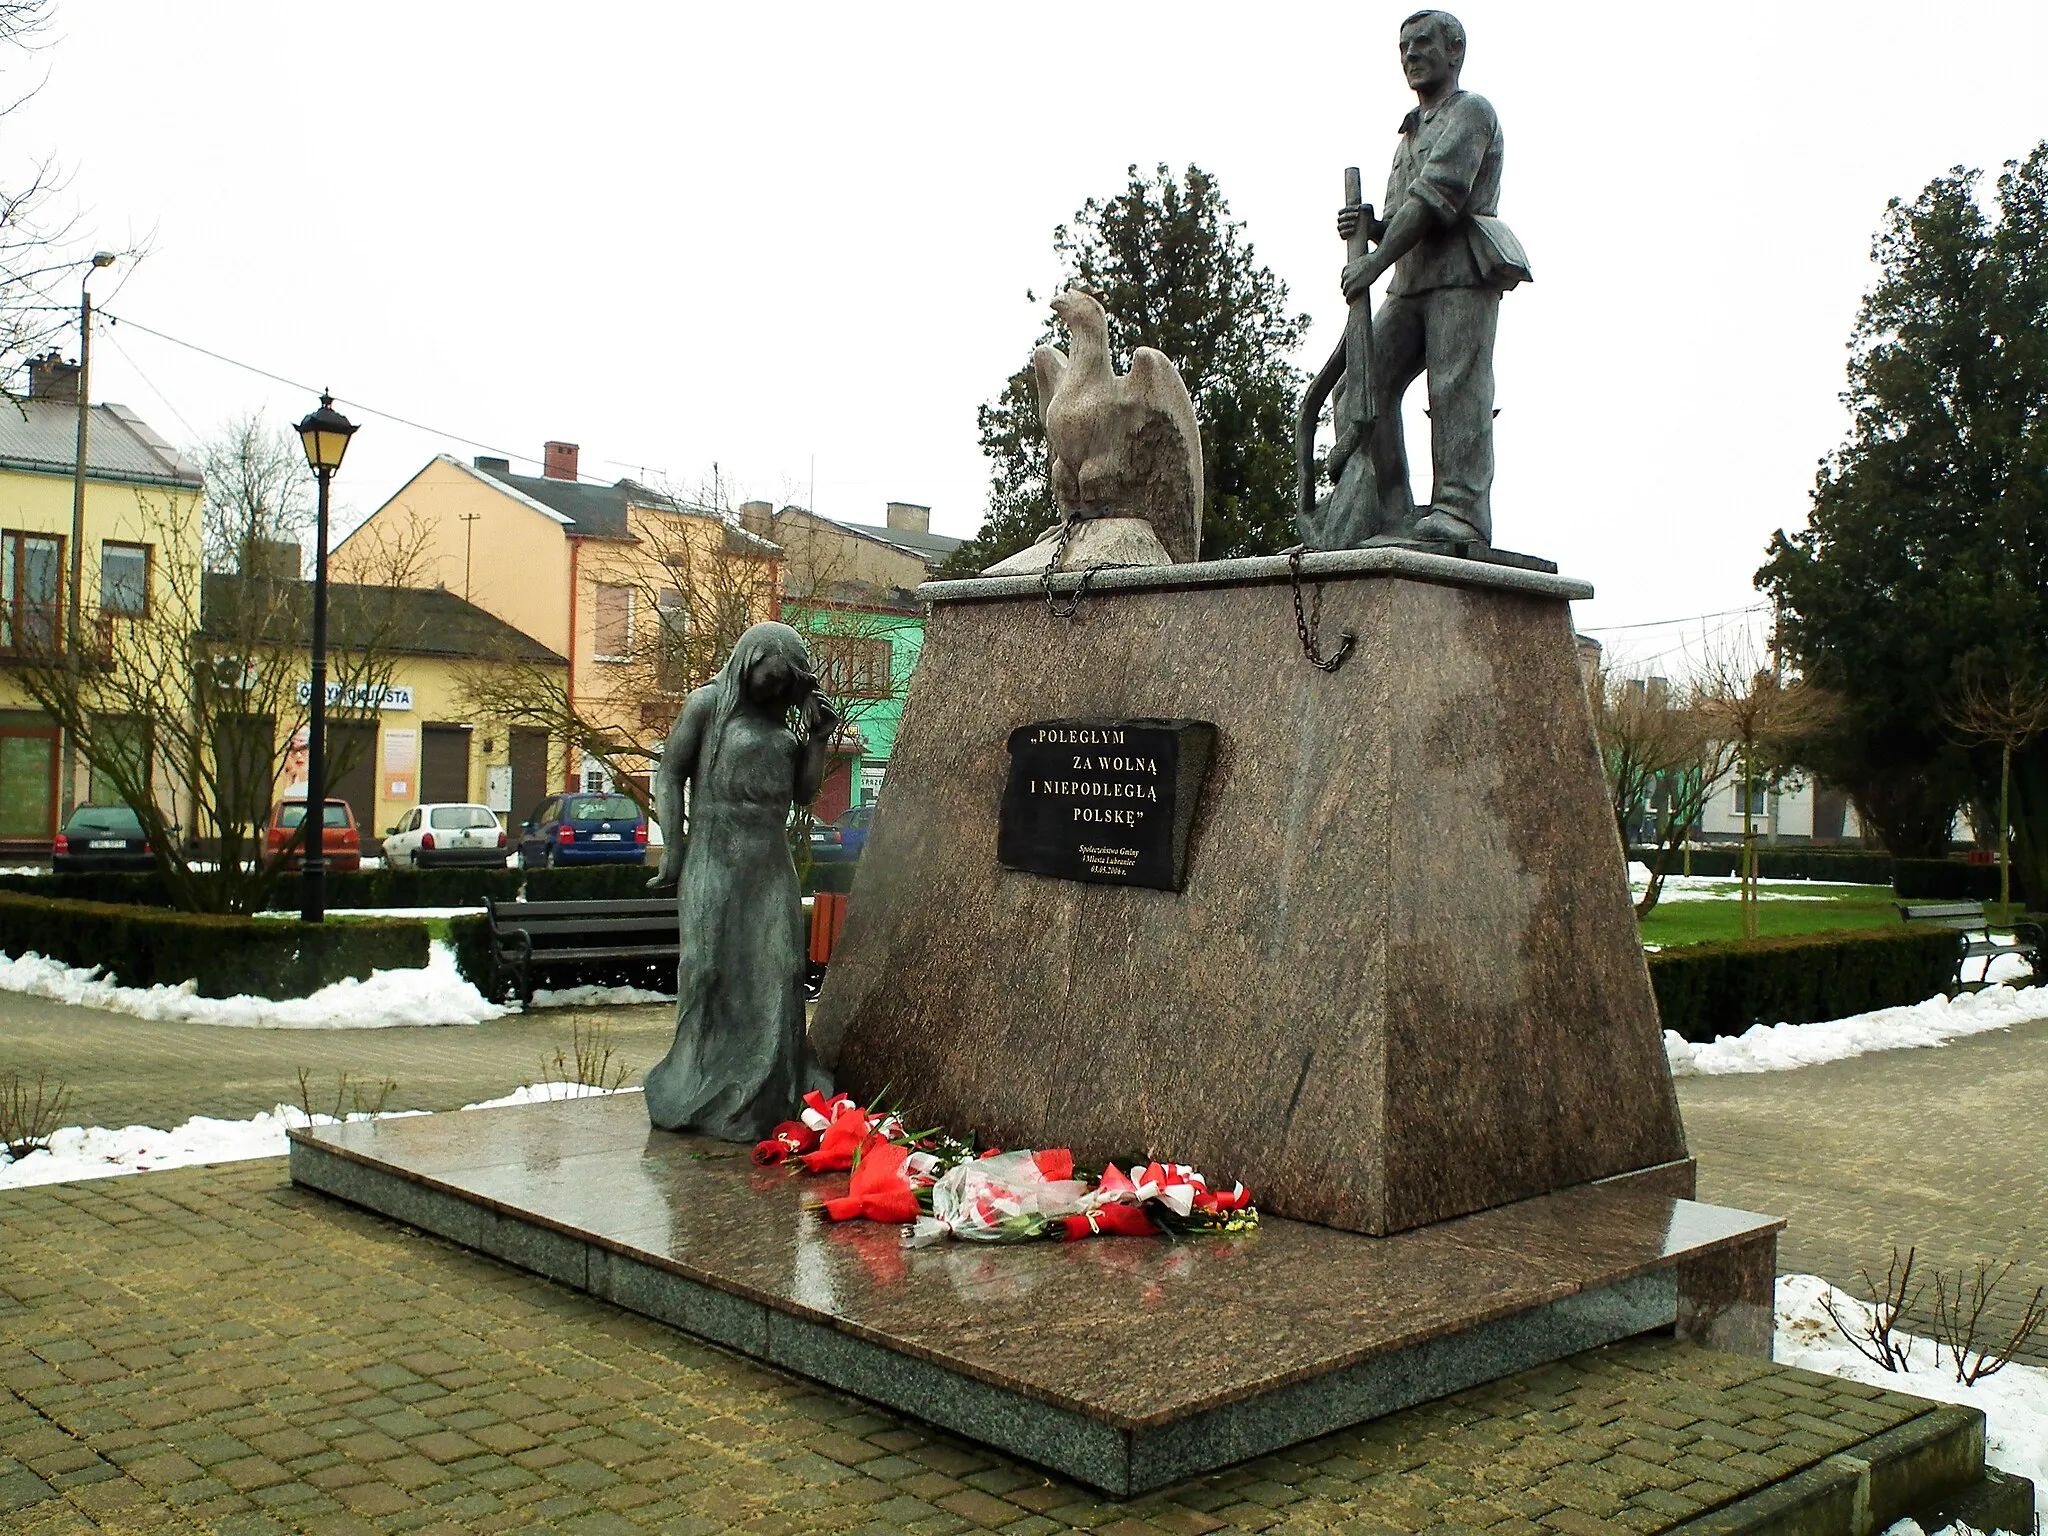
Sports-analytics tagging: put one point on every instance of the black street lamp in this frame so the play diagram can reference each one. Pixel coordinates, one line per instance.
(325, 433)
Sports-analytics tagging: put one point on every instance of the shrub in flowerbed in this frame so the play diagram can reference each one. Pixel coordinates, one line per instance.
(1705, 990)
(1944, 880)
(836, 878)
(225, 956)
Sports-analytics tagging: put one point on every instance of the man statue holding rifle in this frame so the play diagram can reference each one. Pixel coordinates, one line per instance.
(1451, 260)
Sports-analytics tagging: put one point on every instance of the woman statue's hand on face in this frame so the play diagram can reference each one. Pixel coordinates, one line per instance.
(818, 715)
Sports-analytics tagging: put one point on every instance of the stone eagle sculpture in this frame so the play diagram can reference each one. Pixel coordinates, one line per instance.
(1126, 453)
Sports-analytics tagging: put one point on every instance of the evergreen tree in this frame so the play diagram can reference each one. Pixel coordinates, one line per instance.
(1175, 272)
(1926, 552)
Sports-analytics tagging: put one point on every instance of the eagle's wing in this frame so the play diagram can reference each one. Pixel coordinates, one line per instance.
(1156, 384)
(1048, 368)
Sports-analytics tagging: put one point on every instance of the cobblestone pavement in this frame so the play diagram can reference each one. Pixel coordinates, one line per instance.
(125, 1071)
(1942, 1149)
(211, 1349)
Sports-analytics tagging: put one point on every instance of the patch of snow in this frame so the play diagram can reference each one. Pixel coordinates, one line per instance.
(587, 997)
(26, 869)
(94, 1152)
(2015, 1400)
(390, 999)
(1777, 1047)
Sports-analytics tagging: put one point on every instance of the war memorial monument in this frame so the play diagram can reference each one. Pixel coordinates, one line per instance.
(1298, 868)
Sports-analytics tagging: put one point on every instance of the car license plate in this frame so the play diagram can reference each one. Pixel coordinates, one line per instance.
(604, 837)
(108, 842)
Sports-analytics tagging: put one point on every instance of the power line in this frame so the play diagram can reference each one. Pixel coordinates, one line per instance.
(366, 409)
(1692, 618)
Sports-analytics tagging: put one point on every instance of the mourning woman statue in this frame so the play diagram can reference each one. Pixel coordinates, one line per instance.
(740, 1061)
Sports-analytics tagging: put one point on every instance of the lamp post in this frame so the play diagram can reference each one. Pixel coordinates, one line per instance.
(74, 624)
(325, 433)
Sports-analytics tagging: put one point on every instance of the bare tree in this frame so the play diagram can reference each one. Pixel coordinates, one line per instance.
(673, 604)
(1661, 755)
(1761, 718)
(258, 496)
(2006, 706)
(41, 257)
(192, 706)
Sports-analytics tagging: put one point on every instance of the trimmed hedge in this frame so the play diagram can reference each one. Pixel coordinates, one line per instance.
(1827, 865)
(1705, 990)
(225, 956)
(470, 938)
(1945, 880)
(590, 882)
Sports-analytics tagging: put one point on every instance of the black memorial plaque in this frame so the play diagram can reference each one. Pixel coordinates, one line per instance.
(1110, 801)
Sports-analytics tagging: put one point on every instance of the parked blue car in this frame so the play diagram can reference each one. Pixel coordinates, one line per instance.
(584, 828)
(840, 840)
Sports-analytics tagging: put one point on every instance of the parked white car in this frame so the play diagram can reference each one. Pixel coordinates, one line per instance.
(437, 836)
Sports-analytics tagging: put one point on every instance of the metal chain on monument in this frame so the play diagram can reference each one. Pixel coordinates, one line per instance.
(1073, 604)
(1308, 623)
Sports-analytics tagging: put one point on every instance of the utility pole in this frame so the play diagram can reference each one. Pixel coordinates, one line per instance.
(469, 519)
(73, 627)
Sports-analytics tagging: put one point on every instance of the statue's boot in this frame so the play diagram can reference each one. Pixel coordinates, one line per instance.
(1438, 526)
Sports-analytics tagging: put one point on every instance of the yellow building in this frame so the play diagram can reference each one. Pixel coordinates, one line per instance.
(615, 579)
(417, 744)
(142, 538)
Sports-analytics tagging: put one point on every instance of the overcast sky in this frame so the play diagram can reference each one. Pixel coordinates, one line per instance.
(795, 241)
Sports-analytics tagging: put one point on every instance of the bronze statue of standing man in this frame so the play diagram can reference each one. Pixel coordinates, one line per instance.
(1451, 259)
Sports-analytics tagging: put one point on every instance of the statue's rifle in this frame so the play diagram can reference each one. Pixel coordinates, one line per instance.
(1350, 366)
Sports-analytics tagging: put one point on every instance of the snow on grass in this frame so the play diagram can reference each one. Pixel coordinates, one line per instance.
(94, 1152)
(2015, 1400)
(1776, 1047)
(389, 999)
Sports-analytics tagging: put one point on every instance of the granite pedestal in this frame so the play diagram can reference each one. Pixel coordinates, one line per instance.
(1126, 1363)
(1403, 981)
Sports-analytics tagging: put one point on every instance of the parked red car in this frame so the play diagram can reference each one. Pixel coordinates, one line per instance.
(340, 839)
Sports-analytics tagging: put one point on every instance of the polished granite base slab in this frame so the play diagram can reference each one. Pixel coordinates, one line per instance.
(1127, 1363)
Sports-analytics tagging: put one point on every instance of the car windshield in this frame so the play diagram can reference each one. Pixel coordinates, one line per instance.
(114, 820)
(289, 816)
(600, 808)
(456, 817)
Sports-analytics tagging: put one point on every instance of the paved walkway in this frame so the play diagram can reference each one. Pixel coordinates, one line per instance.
(124, 1071)
(1943, 1149)
(211, 1349)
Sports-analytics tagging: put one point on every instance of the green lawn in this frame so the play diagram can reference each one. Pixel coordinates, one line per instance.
(1701, 922)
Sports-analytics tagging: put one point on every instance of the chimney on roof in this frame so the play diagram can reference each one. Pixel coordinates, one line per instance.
(51, 378)
(758, 517)
(560, 461)
(909, 517)
(492, 466)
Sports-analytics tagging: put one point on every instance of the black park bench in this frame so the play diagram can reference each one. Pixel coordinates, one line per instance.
(1968, 919)
(582, 943)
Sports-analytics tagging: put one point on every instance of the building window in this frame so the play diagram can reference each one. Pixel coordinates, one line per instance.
(853, 666)
(31, 593)
(124, 579)
(614, 623)
(673, 664)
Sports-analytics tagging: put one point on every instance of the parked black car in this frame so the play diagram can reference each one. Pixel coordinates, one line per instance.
(101, 837)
